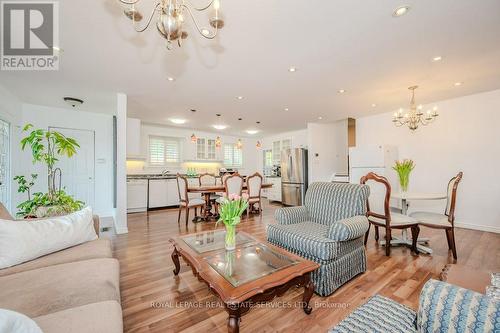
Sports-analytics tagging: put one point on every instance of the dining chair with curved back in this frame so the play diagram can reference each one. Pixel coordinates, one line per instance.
(387, 219)
(254, 186)
(207, 179)
(184, 201)
(233, 184)
(444, 221)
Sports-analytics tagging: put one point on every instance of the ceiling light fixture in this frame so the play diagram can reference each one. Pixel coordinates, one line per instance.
(437, 58)
(240, 97)
(292, 69)
(415, 116)
(252, 132)
(170, 78)
(374, 105)
(178, 121)
(171, 17)
(286, 109)
(239, 144)
(400, 11)
(72, 101)
(457, 84)
(320, 118)
(258, 145)
(193, 138)
(218, 142)
(219, 127)
(341, 91)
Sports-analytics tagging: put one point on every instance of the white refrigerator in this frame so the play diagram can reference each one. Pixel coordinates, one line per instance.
(380, 160)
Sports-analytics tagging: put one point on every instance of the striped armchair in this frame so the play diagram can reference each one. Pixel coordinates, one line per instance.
(329, 230)
(443, 307)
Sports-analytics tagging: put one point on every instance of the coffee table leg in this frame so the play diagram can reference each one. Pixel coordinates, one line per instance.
(233, 324)
(175, 259)
(308, 292)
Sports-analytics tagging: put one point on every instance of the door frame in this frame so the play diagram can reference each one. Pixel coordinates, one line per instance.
(94, 146)
(8, 174)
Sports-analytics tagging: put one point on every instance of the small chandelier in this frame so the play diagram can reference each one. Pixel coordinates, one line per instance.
(239, 144)
(171, 17)
(218, 142)
(194, 139)
(415, 116)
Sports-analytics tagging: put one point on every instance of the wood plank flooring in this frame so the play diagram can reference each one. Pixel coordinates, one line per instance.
(153, 300)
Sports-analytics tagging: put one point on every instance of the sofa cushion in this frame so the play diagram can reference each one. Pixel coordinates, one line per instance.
(379, 315)
(21, 241)
(102, 317)
(12, 322)
(309, 239)
(99, 248)
(55, 288)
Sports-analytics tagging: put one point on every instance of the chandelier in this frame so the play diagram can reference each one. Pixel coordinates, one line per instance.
(415, 116)
(171, 16)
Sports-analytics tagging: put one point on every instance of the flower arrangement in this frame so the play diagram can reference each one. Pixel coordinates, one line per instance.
(403, 169)
(230, 211)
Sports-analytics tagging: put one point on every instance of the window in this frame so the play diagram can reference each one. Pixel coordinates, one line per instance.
(5, 163)
(163, 151)
(286, 144)
(233, 156)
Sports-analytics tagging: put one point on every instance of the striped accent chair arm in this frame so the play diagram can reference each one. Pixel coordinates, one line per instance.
(347, 229)
(291, 215)
(444, 307)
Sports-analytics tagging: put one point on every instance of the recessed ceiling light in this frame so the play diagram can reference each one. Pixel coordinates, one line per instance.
(437, 58)
(400, 11)
(458, 84)
(193, 110)
(257, 122)
(170, 78)
(320, 118)
(205, 32)
(286, 109)
(292, 69)
(219, 127)
(374, 105)
(252, 132)
(240, 97)
(178, 121)
(240, 118)
(341, 91)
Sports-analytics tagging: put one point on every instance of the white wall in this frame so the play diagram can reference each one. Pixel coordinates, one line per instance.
(250, 152)
(10, 111)
(101, 124)
(465, 137)
(120, 211)
(327, 150)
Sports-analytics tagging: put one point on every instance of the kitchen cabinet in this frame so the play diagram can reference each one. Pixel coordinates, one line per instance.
(278, 147)
(134, 139)
(137, 195)
(172, 192)
(274, 193)
(163, 193)
(205, 149)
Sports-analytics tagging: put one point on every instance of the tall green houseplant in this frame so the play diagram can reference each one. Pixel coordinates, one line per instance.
(46, 147)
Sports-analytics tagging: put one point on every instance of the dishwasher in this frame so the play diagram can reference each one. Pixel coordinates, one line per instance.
(137, 195)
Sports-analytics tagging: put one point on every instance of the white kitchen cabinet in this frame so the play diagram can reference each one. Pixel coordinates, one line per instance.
(274, 193)
(158, 193)
(134, 139)
(137, 195)
(172, 192)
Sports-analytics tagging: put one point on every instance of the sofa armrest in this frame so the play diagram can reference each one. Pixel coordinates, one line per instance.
(4, 213)
(442, 303)
(291, 215)
(347, 229)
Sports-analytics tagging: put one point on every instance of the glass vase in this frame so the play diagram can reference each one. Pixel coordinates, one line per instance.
(230, 238)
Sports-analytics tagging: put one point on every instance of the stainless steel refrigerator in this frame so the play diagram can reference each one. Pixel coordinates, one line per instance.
(293, 176)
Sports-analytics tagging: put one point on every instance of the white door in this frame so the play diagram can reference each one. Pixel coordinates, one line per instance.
(78, 172)
(5, 164)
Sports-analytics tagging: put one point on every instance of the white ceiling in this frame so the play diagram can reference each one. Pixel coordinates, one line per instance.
(344, 44)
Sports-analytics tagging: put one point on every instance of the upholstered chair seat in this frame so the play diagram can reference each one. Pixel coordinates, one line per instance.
(428, 218)
(329, 230)
(396, 220)
(193, 202)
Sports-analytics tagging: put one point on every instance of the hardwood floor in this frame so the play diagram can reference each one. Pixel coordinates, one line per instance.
(154, 300)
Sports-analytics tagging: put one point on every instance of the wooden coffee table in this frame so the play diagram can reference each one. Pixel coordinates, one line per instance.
(254, 273)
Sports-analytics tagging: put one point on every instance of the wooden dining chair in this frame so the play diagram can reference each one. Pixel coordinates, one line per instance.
(254, 186)
(207, 179)
(186, 203)
(387, 219)
(233, 184)
(444, 221)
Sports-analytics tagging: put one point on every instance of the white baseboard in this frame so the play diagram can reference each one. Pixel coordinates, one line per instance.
(121, 230)
(487, 228)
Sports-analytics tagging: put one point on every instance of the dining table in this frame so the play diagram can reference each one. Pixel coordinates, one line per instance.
(404, 198)
(207, 191)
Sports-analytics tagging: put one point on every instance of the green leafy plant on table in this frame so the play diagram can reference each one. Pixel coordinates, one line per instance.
(403, 169)
(231, 209)
(46, 147)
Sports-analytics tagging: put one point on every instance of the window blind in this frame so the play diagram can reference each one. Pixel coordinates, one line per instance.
(163, 151)
(233, 156)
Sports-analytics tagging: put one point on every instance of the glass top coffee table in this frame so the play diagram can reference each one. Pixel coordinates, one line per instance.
(255, 272)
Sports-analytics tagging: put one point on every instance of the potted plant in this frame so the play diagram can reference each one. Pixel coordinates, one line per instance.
(231, 209)
(46, 146)
(404, 169)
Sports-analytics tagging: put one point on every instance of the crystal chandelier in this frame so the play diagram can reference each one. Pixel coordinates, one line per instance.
(415, 116)
(171, 16)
